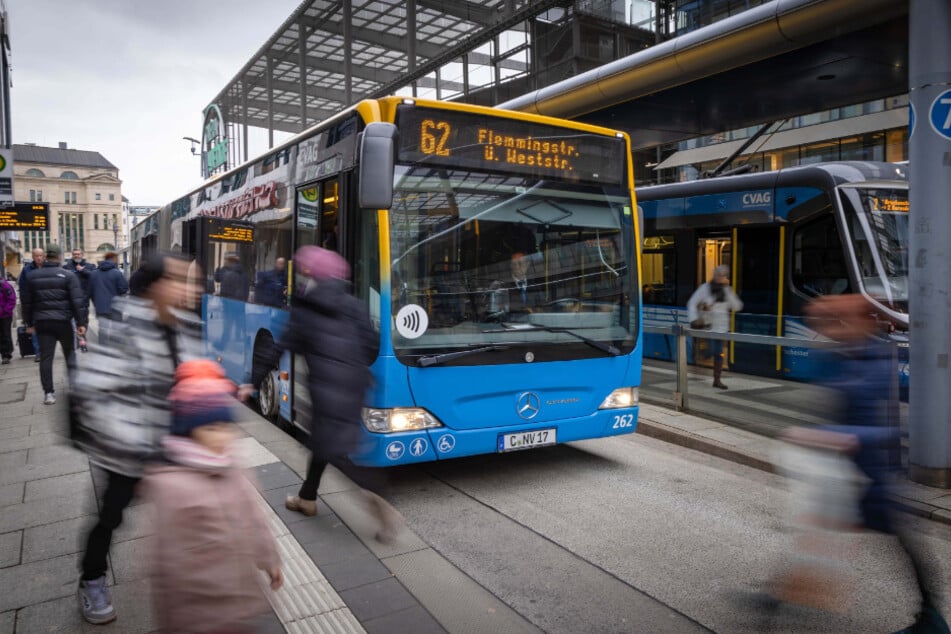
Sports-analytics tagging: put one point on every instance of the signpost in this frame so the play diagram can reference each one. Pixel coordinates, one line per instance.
(6, 177)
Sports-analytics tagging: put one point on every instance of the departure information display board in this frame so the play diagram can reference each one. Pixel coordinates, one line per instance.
(223, 231)
(464, 140)
(32, 216)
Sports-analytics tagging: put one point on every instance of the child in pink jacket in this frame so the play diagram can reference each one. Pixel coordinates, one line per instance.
(211, 538)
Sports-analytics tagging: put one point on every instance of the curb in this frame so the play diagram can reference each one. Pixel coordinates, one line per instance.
(717, 449)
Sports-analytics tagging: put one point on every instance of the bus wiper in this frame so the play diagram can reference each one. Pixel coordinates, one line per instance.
(436, 359)
(603, 347)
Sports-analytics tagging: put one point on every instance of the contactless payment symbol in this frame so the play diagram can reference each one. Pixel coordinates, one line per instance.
(446, 443)
(412, 321)
(418, 447)
(940, 114)
(395, 450)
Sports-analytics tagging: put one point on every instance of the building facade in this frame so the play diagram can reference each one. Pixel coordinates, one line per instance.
(84, 195)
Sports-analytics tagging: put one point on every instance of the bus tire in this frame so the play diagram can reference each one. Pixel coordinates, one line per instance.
(268, 402)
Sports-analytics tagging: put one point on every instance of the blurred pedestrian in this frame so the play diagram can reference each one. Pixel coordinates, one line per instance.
(119, 409)
(232, 278)
(271, 286)
(106, 283)
(863, 372)
(331, 329)
(53, 302)
(83, 270)
(709, 309)
(214, 587)
(8, 304)
(38, 256)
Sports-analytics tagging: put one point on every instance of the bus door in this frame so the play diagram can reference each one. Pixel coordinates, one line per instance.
(712, 251)
(318, 206)
(757, 274)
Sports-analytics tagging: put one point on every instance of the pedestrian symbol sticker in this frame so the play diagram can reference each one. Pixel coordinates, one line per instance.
(446, 443)
(394, 450)
(940, 114)
(418, 447)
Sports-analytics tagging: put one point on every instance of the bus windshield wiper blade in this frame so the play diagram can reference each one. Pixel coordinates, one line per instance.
(603, 347)
(436, 359)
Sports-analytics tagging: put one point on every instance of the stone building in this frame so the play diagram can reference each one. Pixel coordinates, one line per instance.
(84, 194)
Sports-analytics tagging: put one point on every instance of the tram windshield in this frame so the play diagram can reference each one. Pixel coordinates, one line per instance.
(877, 221)
(510, 261)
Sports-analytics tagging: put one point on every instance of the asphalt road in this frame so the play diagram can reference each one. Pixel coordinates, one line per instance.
(632, 534)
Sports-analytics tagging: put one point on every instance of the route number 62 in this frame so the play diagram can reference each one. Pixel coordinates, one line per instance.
(625, 420)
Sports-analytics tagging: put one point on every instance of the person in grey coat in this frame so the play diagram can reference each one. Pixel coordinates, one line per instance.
(709, 308)
(106, 283)
(119, 409)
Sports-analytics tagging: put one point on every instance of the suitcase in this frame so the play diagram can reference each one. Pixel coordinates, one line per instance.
(24, 342)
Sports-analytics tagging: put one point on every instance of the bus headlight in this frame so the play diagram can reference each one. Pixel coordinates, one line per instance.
(619, 398)
(385, 421)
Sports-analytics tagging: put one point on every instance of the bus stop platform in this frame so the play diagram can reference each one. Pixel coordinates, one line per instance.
(337, 577)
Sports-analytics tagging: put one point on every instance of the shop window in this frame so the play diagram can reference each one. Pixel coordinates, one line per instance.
(659, 266)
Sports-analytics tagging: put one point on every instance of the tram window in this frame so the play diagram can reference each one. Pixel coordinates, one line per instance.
(818, 265)
(659, 264)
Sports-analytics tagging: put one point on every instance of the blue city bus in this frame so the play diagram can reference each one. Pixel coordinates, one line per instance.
(496, 252)
(789, 236)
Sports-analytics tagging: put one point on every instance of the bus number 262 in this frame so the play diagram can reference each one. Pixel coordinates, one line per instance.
(625, 420)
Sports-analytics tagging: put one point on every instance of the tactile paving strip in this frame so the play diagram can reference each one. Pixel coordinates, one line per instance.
(306, 603)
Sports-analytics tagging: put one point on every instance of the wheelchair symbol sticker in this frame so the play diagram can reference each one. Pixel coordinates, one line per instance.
(446, 443)
(418, 447)
(395, 450)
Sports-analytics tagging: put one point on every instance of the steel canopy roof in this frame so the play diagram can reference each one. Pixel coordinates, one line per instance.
(330, 54)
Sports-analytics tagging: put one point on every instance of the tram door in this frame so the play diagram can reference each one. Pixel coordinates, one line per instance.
(758, 265)
(712, 251)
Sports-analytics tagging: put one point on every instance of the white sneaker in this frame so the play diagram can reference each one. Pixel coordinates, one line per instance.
(95, 601)
(50, 399)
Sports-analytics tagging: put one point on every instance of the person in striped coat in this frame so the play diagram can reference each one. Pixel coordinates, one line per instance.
(119, 409)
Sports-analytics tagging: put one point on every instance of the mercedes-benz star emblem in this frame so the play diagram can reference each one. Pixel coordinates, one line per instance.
(528, 405)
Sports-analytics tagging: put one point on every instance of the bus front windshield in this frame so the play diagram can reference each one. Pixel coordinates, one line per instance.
(512, 265)
(877, 221)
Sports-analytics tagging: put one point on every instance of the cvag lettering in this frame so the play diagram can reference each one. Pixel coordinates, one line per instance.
(757, 198)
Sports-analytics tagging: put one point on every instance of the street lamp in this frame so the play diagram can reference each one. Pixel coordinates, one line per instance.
(195, 144)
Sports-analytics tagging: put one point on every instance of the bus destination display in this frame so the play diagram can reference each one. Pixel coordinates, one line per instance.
(32, 216)
(221, 231)
(466, 140)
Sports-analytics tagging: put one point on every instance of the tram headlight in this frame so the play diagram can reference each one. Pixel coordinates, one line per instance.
(620, 398)
(385, 421)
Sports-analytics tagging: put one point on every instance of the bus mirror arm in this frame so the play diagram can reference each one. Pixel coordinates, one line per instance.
(377, 160)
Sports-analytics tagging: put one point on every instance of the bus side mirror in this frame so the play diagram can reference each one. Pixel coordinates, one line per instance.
(377, 160)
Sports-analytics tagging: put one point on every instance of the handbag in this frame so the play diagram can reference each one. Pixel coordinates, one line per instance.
(702, 322)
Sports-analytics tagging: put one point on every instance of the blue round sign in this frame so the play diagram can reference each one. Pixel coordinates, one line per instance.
(940, 114)
(911, 119)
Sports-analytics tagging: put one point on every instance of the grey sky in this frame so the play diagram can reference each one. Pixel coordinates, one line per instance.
(130, 78)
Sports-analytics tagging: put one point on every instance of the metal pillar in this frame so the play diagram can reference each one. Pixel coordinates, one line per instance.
(411, 39)
(270, 102)
(348, 51)
(244, 118)
(302, 71)
(929, 81)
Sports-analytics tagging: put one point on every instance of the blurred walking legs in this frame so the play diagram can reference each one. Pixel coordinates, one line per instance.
(119, 493)
(306, 499)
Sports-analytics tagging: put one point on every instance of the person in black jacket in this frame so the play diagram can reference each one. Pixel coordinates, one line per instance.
(38, 256)
(234, 281)
(106, 282)
(83, 270)
(53, 297)
(331, 329)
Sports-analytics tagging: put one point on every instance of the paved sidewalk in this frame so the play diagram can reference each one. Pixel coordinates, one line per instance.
(758, 451)
(337, 577)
